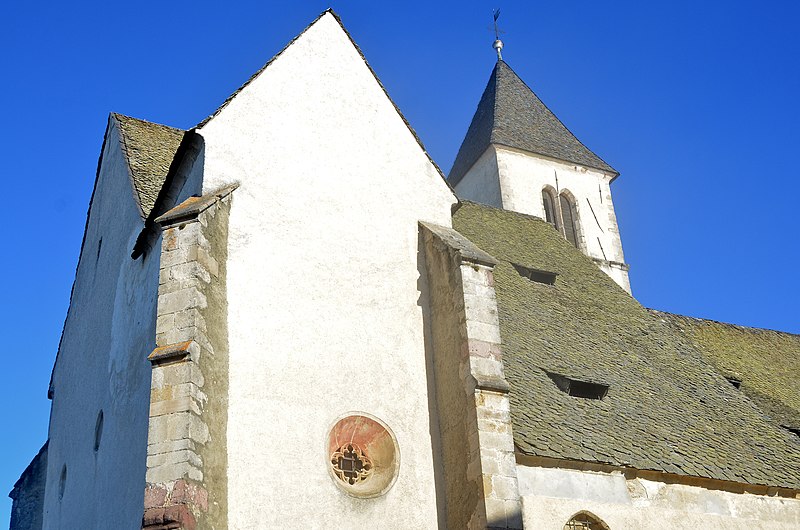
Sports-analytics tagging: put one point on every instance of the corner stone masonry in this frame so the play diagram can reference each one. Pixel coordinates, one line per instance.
(471, 389)
(184, 427)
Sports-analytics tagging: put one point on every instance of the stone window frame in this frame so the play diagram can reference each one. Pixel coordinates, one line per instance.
(549, 192)
(392, 473)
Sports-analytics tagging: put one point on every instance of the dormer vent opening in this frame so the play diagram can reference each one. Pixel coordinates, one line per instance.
(578, 388)
(735, 381)
(536, 275)
(793, 430)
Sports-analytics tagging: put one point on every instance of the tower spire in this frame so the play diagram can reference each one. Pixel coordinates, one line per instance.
(498, 44)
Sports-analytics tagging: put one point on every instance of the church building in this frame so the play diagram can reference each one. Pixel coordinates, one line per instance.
(287, 316)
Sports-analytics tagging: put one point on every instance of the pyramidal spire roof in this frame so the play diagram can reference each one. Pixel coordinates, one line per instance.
(510, 114)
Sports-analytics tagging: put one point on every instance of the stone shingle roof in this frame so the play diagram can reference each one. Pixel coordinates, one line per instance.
(510, 114)
(149, 149)
(667, 409)
(766, 362)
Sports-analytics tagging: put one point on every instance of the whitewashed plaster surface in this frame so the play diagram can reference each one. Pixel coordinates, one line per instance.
(325, 285)
(481, 183)
(102, 364)
(552, 496)
(519, 177)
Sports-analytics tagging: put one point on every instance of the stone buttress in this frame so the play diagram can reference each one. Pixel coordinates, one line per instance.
(471, 389)
(186, 448)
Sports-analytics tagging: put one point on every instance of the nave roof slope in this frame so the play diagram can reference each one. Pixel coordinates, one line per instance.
(667, 408)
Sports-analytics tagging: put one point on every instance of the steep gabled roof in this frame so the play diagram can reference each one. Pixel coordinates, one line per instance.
(666, 409)
(149, 149)
(766, 362)
(510, 114)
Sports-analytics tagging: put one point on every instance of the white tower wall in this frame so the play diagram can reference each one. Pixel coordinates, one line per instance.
(514, 179)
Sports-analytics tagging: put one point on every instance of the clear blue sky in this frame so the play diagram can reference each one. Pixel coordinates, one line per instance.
(696, 104)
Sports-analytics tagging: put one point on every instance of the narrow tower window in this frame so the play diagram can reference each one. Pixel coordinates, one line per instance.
(62, 483)
(549, 207)
(570, 220)
(98, 431)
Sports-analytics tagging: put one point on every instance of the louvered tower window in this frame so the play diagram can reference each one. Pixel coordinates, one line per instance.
(549, 204)
(570, 220)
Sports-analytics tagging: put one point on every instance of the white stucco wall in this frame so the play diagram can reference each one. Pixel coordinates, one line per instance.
(482, 183)
(325, 286)
(102, 364)
(552, 496)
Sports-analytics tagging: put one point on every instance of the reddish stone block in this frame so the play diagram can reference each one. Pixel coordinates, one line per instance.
(155, 495)
(487, 350)
(153, 517)
(191, 494)
(172, 506)
(180, 514)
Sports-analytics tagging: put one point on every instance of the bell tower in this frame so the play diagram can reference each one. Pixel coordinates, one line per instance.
(517, 155)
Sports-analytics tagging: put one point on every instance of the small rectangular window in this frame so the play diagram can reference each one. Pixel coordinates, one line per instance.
(578, 388)
(536, 275)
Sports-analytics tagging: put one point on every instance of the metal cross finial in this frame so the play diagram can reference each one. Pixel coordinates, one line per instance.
(498, 44)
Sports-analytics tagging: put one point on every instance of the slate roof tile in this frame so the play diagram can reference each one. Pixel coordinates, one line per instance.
(510, 114)
(767, 362)
(667, 409)
(149, 149)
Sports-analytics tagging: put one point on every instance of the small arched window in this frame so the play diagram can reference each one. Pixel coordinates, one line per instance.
(585, 521)
(549, 203)
(570, 219)
(62, 482)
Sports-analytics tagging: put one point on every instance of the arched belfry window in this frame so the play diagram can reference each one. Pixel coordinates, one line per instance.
(585, 521)
(570, 219)
(549, 203)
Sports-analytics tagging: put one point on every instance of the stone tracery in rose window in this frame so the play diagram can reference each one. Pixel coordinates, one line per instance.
(350, 464)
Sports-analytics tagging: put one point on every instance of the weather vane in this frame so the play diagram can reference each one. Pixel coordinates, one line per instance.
(498, 44)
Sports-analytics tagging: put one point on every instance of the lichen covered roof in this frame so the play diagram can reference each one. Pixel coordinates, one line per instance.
(667, 409)
(510, 114)
(766, 362)
(149, 149)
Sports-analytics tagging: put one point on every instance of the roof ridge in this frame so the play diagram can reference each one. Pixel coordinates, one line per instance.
(469, 154)
(123, 140)
(117, 115)
(727, 324)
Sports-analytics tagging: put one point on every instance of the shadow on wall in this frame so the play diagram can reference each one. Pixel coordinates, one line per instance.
(424, 303)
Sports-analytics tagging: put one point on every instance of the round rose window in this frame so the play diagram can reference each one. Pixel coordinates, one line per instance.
(363, 455)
